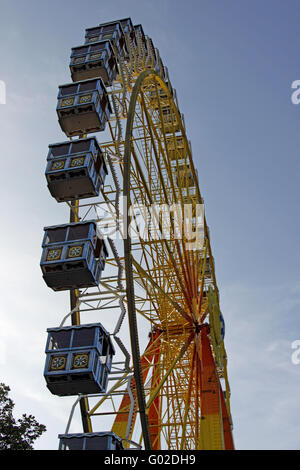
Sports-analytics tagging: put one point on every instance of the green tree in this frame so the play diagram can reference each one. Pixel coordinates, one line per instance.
(16, 434)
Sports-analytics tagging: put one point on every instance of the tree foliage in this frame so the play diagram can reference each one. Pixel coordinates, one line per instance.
(16, 434)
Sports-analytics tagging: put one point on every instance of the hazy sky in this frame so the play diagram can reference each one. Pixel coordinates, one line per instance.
(232, 64)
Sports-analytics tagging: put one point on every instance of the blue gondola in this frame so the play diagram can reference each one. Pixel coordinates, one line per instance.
(73, 256)
(75, 169)
(78, 359)
(169, 120)
(90, 441)
(184, 177)
(128, 28)
(111, 31)
(167, 80)
(83, 107)
(138, 28)
(150, 50)
(176, 149)
(93, 61)
(222, 322)
(159, 66)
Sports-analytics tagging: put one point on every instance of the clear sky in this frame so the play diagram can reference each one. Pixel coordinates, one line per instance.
(232, 63)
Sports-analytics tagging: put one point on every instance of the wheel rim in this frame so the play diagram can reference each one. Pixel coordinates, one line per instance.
(165, 268)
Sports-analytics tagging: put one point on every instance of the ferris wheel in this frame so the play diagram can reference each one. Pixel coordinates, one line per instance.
(150, 370)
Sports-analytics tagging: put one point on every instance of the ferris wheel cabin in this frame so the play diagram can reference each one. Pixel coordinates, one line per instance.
(93, 61)
(176, 148)
(185, 176)
(90, 441)
(129, 30)
(139, 31)
(168, 81)
(83, 107)
(150, 49)
(78, 359)
(75, 169)
(169, 121)
(159, 67)
(128, 27)
(111, 31)
(73, 256)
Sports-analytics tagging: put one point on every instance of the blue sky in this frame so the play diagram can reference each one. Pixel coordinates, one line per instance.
(232, 64)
